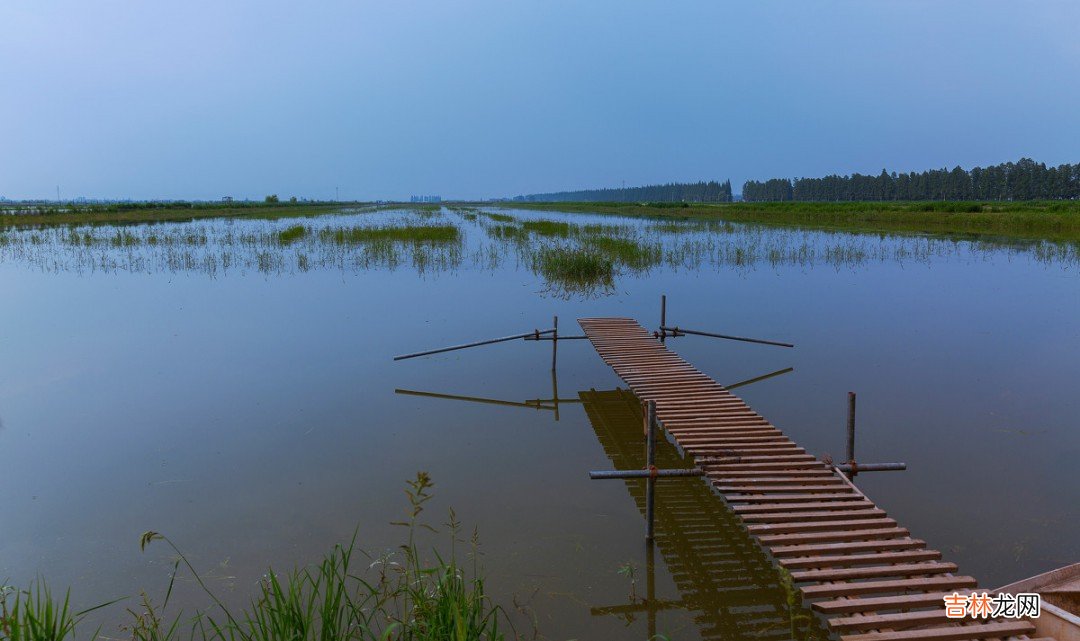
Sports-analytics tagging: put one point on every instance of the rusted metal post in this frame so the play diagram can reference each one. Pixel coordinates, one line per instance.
(555, 392)
(851, 427)
(554, 342)
(650, 587)
(871, 467)
(650, 464)
(663, 317)
(534, 335)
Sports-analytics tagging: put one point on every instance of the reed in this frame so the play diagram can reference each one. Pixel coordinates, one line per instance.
(398, 597)
(291, 234)
(421, 234)
(572, 269)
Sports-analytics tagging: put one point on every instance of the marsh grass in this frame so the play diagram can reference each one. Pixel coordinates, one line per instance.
(418, 238)
(35, 614)
(291, 234)
(348, 595)
(1040, 220)
(569, 269)
(634, 254)
(419, 234)
(550, 228)
(507, 232)
(497, 217)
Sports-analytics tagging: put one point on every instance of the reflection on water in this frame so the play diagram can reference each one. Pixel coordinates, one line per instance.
(723, 578)
(725, 582)
(571, 258)
(248, 410)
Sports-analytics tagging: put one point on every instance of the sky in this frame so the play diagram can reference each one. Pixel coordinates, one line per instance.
(199, 99)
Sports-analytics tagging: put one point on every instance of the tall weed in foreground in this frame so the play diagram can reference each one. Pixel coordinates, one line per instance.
(349, 595)
(35, 614)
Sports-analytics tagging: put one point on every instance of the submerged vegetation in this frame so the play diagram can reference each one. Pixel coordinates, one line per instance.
(574, 269)
(348, 595)
(418, 234)
(570, 258)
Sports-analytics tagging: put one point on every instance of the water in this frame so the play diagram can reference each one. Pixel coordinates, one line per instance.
(218, 388)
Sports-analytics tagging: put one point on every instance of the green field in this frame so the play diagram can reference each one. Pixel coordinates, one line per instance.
(30, 215)
(1049, 220)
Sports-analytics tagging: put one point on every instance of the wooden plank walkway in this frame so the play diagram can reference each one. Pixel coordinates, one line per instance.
(864, 572)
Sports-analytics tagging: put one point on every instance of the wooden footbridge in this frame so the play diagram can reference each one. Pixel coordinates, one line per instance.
(861, 570)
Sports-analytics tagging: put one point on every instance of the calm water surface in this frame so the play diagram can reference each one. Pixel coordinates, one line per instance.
(238, 394)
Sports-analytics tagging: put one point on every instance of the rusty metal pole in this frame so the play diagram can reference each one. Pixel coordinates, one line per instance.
(851, 430)
(663, 316)
(650, 463)
(555, 392)
(650, 587)
(554, 342)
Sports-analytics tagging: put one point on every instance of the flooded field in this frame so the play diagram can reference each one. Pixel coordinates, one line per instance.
(230, 383)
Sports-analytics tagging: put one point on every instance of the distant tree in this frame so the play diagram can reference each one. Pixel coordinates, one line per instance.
(292, 199)
(272, 198)
(1022, 180)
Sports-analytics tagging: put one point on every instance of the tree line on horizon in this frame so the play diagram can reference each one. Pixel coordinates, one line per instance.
(1022, 180)
(699, 192)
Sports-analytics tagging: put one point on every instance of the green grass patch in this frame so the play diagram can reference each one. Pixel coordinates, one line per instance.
(631, 253)
(497, 217)
(419, 234)
(347, 595)
(292, 234)
(551, 228)
(1048, 220)
(508, 232)
(574, 269)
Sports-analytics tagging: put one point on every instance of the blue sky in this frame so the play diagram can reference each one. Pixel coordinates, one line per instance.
(201, 99)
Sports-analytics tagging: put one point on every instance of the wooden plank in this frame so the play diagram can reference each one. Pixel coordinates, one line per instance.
(778, 465)
(872, 523)
(770, 540)
(848, 574)
(793, 498)
(897, 621)
(850, 547)
(890, 585)
(797, 507)
(765, 482)
(834, 560)
(950, 633)
(754, 488)
(883, 603)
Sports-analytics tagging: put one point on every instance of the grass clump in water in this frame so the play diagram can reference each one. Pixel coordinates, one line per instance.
(497, 217)
(548, 228)
(291, 234)
(631, 253)
(575, 269)
(419, 234)
(508, 232)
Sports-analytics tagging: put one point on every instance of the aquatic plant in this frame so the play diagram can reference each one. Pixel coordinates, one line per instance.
(570, 269)
(291, 234)
(396, 597)
(402, 233)
(631, 253)
(497, 217)
(34, 614)
(548, 228)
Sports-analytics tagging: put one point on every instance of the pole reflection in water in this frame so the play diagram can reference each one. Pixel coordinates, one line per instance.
(724, 580)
